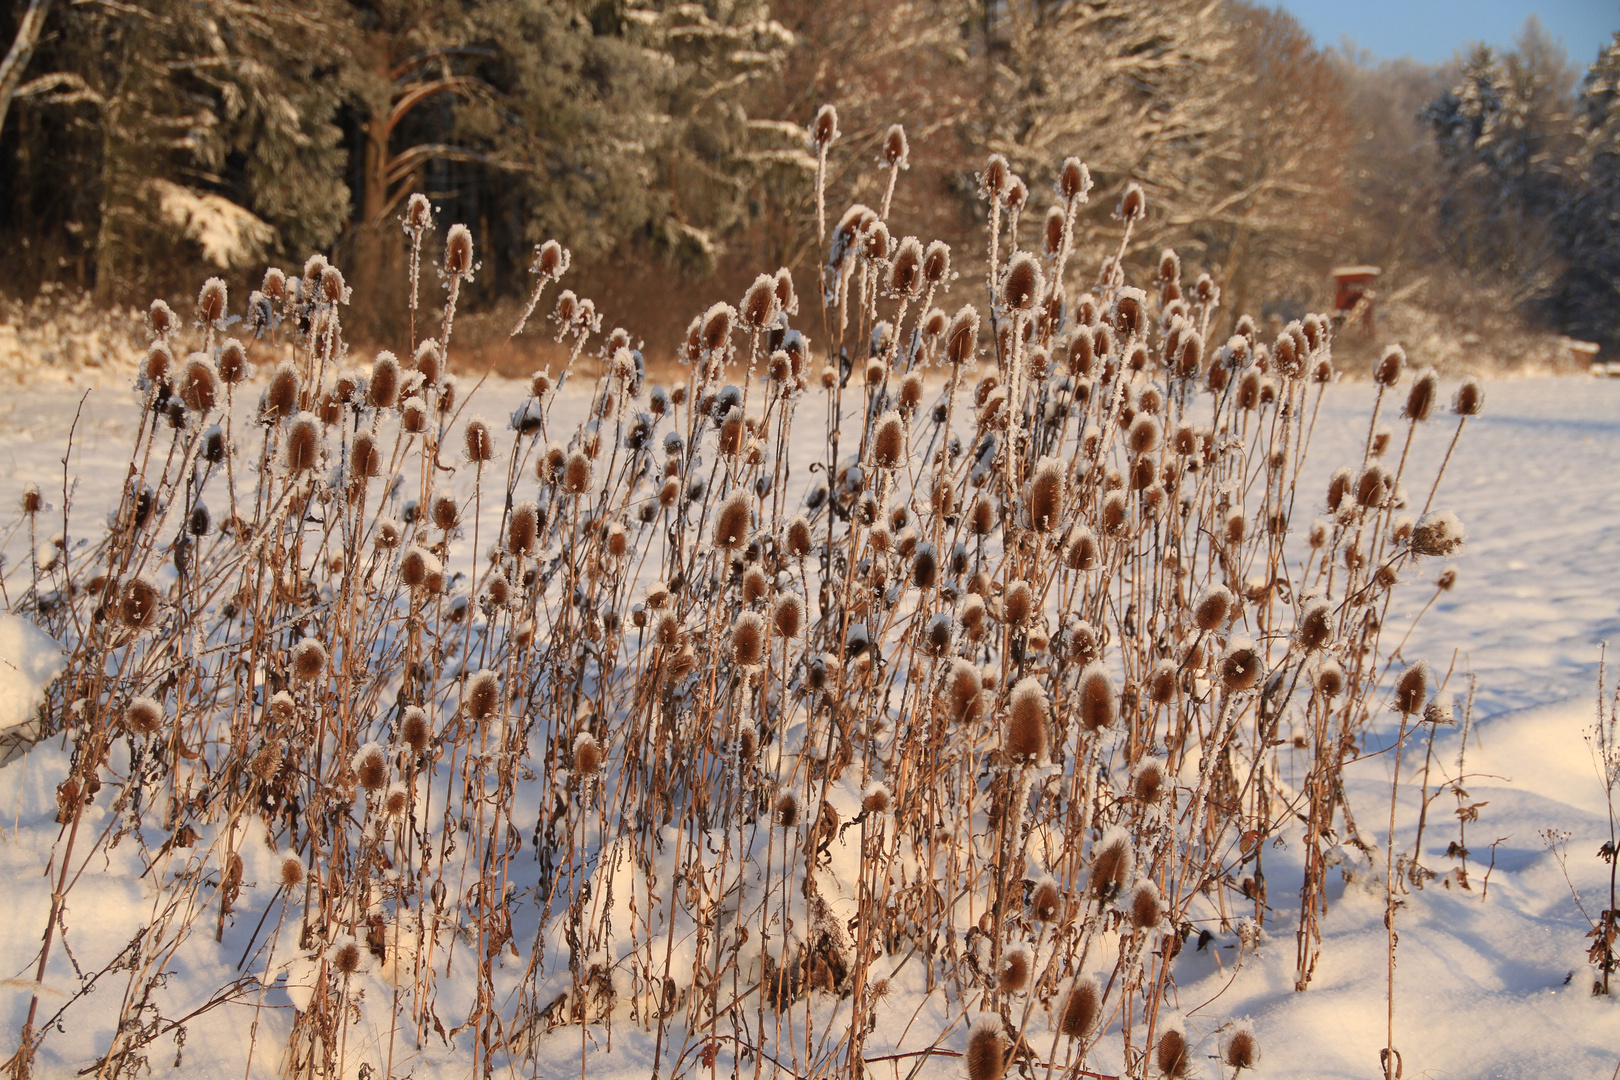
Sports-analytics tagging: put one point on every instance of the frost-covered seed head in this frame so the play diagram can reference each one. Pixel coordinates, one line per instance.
(458, 252)
(1438, 533)
(1078, 1008)
(1096, 702)
(986, 1056)
(370, 766)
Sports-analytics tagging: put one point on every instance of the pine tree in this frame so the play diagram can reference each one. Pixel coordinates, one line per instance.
(1591, 226)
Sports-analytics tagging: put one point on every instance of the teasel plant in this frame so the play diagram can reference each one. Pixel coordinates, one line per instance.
(907, 655)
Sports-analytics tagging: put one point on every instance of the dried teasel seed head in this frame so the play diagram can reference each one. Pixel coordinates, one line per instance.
(308, 660)
(427, 361)
(1412, 688)
(986, 1056)
(1112, 862)
(479, 443)
(382, 392)
(370, 766)
(1240, 666)
(962, 336)
(876, 799)
(1213, 608)
(747, 639)
(1315, 628)
(1048, 489)
(1074, 179)
(1145, 907)
(1162, 682)
(1027, 708)
(962, 685)
(759, 305)
(1328, 679)
(1132, 204)
(346, 956)
(1374, 486)
(734, 520)
(824, 130)
(889, 441)
(1172, 1055)
(1240, 1049)
(1046, 901)
(798, 536)
(1422, 395)
(788, 616)
(303, 446)
(445, 511)
(994, 178)
(786, 808)
(936, 264)
(413, 415)
(396, 800)
(482, 695)
(1078, 1008)
(1018, 603)
(1023, 282)
(1096, 702)
(160, 319)
(458, 252)
(365, 459)
(576, 473)
(1017, 964)
(1053, 231)
(414, 729)
(1387, 372)
(587, 754)
(199, 383)
(290, 874)
(523, 529)
(138, 607)
(418, 214)
(389, 534)
(1149, 781)
(1470, 399)
(143, 715)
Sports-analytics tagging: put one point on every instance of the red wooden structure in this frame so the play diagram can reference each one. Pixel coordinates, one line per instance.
(1353, 296)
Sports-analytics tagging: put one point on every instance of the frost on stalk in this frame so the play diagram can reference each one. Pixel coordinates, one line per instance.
(1437, 533)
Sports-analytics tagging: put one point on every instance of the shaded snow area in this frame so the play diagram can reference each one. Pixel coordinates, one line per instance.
(1492, 977)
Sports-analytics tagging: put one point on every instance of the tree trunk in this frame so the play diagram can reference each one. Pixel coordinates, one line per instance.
(22, 50)
(367, 272)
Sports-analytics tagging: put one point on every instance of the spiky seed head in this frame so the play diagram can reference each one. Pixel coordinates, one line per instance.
(994, 178)
(587, 754)
(1412, 688)
(962, 686)
(138, 607)
(1236, 526)
(1096, 702)
(445, 511)
(1438, 533)
(483, 695)
(303, 443)
(1078, 1007)
(798, 536)
(281, 396)
(1422, 395)
(1240, 1049)
(1112, 862)
(824, 131)
(788, 616)
(1017, 964)
(1240, 666)
(1470, 399)
(370, 766)
(1046, 901)
(1149, 781)
(1339, 485)
(1018, 603)
(1162, 682)
(458, 251)
(986, 1056)
(734, 520)
(1132, 204)
(1146, 909)
(747, 639)
(389, 534)
(308, 660)
(160, 318)
(1080, 553)
(1115, 513)
(395, 800)
(1329, 679)
(1315, 628)
(523, 529)
(1171, 1055)
(346, 956)
(1082, 352)
(962, 336)
(1023, 283)
(414, 730)
(1027, 709)
(889, 441)
(576, 473)
(143, 715)
(1074, 179)
(1374, 486)
(718, 322)
(1052, 232)
(1048, 488)
(906, 269)
(786, 808)
(382, 392)
(876, 799)
(479, 443)
(413, 415)
(1387, 372)
(291, 871)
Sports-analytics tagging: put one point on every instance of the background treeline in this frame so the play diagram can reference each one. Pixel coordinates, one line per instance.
(660, 141)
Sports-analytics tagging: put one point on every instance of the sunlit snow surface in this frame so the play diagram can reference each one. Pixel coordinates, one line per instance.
(1482, 985)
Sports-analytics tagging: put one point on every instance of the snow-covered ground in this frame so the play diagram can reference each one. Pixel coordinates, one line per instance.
(1491, 980)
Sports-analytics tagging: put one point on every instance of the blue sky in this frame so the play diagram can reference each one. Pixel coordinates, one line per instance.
(1431, 30)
